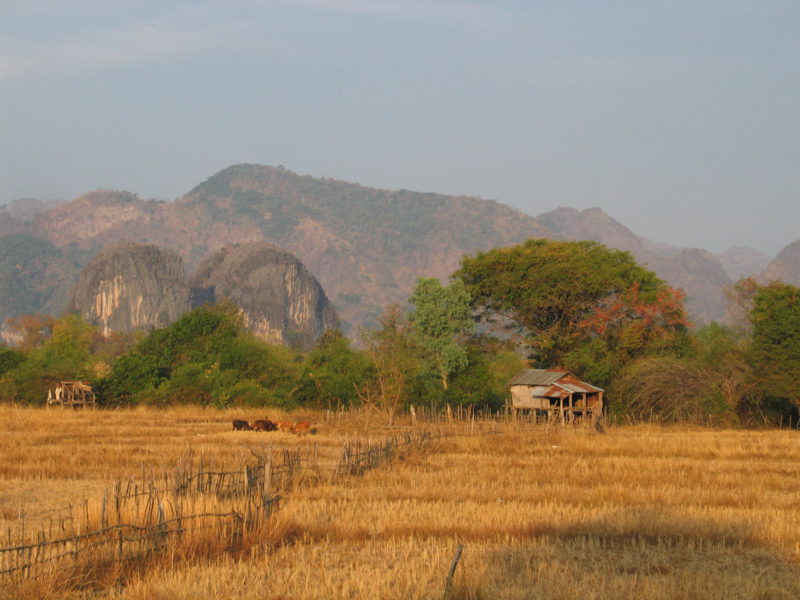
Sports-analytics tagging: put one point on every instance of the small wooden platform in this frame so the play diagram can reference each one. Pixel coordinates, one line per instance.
(72, 394)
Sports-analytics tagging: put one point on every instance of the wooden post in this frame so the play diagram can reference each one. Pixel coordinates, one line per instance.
(448, 584)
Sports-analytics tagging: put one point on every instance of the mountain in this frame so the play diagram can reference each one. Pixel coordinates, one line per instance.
(701, 277)
(279, 299)
(740, 262)
(25, 209)
(35, 276)
(131, 286)
(100, 218)
(658, 247)
(593, 224)
(365, 246)
(785, 267)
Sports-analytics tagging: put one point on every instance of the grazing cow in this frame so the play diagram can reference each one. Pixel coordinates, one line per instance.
(301, 427)
(264, 425)
(240, 425)
(284, 425)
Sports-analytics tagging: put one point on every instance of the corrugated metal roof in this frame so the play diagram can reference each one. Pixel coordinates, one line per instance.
(536, 377)
(556, 391)
(543, 377)
(583, 388)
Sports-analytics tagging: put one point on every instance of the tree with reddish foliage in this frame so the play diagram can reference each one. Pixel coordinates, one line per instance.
(581, 306)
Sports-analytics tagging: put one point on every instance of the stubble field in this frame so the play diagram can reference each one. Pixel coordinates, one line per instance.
(551, 513)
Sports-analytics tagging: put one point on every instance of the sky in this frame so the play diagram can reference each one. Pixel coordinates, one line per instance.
(679, 118)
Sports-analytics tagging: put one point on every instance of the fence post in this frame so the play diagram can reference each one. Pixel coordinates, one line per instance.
(267, 488)
(448, 584)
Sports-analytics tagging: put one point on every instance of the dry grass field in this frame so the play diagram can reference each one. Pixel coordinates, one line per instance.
(637, 512)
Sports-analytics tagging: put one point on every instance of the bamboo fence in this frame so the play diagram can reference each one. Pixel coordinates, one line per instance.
(136, 520)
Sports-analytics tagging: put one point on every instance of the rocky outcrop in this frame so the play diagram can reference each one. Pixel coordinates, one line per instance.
(280, 301)
(785, 267)
(131, 286)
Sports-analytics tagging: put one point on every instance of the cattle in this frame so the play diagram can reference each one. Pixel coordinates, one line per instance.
(284, 425)
(264, 425)
(240, 425)
(302, 427)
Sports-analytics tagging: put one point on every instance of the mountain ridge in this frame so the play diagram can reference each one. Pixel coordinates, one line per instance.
(366, 246)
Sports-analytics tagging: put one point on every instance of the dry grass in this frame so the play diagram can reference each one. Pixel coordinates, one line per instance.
(640, 512)
(53, 459)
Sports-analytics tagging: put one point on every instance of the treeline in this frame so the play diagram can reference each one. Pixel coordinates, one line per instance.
(575, 306)
(208, 358)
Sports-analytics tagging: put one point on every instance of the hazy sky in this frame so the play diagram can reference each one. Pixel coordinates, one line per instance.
(679, 118)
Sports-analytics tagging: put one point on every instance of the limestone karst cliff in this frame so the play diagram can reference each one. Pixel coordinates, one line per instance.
(280, 300)
(131, 286)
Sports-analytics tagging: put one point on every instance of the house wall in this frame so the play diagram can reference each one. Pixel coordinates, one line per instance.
(521, 398)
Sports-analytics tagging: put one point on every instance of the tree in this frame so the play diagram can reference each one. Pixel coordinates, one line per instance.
(205, 357)
(723, 351)
(775, 346)
(64, 356)
(330, 372)
(31, 329)
(10, 359)
(669, 389)
(441, 319)
(131, 373)
(394, 356)
(565, 295)
(481, 384)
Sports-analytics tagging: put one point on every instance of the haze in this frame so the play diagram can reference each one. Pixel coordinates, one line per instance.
(680, 119)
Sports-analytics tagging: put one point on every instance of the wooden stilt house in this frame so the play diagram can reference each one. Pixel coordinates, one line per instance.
(557, 396)
(72, 394)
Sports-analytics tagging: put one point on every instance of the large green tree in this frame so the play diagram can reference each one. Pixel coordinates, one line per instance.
(441, 319)
(580, 305)
(775, 346)
(330, 371)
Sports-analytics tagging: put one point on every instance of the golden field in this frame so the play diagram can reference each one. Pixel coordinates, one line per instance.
(551, 513)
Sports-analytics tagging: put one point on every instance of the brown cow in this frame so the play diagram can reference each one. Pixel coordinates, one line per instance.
(240, 425)
(264, 425)
(284, 425)
(301, 427)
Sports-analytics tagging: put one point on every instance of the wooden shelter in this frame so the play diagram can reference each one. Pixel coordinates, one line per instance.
(557, 396)
(72, 394)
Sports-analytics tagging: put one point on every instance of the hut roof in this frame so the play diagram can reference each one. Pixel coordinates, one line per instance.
(536, 377)
(544, 377)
